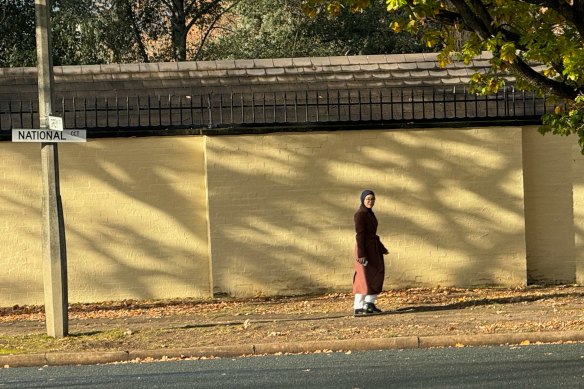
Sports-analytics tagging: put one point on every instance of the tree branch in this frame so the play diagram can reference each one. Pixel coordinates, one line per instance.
(211, 27)
(561, 7)
(483, 14)
(454, 18)
(450, 18)
(574, 14)
(190, 7)
(127, 7)
(478, 26)
(178, 6)
(202, 11)
(480, 22)
(542, 82)
(578, 8)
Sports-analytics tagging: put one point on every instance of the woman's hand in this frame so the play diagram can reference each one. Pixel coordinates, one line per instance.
(362, 261)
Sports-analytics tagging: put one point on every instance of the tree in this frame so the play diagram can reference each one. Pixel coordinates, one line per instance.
(77, 33)
(169, 29)
(258, 29)
(184, 15)
(93, 32)
(156, 30)
(540, 42)
(17, 36)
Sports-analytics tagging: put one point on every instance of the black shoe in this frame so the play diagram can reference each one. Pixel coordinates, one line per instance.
(371, 308)
(360, 312)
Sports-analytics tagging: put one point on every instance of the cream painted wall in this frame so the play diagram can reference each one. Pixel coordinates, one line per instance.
(549, 207)
(280, 209)
(135, 215)
(20, 224)
(578, 190)
(450, 206)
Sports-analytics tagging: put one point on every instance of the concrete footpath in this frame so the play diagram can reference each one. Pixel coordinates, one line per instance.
(305, 325)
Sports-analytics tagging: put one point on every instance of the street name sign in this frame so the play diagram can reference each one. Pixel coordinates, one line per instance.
(55, 123)
(48, 136)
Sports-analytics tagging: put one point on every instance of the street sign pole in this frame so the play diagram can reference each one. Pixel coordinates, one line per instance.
(54, 254)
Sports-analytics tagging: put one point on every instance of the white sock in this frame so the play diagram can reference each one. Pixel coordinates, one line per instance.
(358, 304)
(370, 298)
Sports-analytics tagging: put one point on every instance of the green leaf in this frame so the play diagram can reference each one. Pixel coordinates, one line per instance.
(508, 52)
(394, 5)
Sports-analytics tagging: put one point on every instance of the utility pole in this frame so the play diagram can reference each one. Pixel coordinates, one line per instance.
(54, 253)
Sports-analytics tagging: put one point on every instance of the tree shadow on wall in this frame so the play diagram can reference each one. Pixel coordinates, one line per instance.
(135, 222)
(281, 207)
(450, 206)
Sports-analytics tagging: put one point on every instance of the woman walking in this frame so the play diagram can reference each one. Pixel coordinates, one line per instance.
(369, 252)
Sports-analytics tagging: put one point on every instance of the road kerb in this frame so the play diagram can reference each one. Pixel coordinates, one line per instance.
(23, 360)
(338, 345)
(498, 339)
(86, 358)
(196, 352)
(406, 342)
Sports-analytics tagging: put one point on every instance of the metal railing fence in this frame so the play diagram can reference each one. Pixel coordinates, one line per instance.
(272, 108)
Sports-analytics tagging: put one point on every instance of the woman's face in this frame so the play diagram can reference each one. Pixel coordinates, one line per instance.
(369, 201)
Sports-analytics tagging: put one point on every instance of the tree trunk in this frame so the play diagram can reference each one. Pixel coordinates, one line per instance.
(179, 42)
(179, 31)
(135, 31)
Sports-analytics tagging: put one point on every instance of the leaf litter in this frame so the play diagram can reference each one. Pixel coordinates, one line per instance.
(189, 323)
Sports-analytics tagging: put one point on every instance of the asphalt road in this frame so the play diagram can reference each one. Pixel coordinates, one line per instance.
(535, 366)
